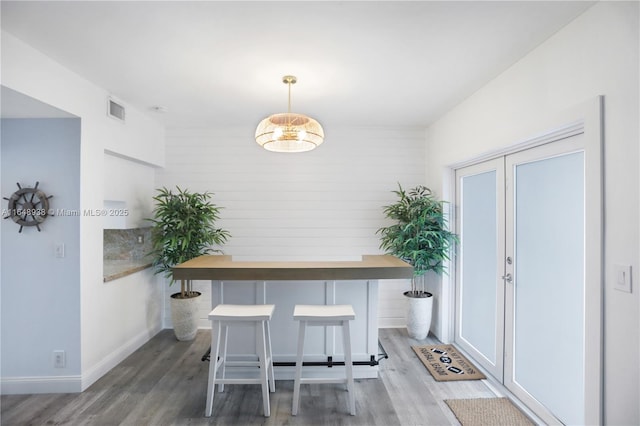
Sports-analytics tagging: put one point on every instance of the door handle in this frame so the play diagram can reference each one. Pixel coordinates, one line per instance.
(508, 278)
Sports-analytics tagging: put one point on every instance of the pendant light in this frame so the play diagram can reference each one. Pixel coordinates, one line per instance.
(288, 131)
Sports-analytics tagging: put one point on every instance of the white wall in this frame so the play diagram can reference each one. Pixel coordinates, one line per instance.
(113, 315)
(597, 54)
(321, 205)
(138, 138)
(37, 288)
(131, 184)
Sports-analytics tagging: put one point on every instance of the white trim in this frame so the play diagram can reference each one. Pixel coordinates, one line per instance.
(555, 134)
(391, 323)
(40, 384)
(91, 375)
(448, 310)
(75, 383)
(372, 316)
(594, 221)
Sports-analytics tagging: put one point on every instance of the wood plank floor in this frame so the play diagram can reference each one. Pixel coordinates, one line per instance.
(165, 383)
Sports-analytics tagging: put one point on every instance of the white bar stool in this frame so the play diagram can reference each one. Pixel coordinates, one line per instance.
(221, 317)
(324, 315)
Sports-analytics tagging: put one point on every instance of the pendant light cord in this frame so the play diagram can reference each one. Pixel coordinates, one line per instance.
(289, 106)
(289, 79)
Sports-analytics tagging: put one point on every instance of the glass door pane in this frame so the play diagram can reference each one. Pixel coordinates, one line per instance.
(480, 294)
(547, 295)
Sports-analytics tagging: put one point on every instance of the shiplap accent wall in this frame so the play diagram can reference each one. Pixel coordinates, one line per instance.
(321, 205)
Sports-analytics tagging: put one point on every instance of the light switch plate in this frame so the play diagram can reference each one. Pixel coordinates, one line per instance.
(59, 250)
(622, 278)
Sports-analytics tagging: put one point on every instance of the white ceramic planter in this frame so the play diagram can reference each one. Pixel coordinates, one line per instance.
(418, 317)
(184, 316)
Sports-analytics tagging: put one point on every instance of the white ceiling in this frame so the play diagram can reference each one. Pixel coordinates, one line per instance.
(215, 63)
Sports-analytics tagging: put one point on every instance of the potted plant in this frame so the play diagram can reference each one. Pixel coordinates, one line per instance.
(420, 237)
(183, 228)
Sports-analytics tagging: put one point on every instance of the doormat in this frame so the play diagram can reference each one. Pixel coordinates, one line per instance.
(445, 363)
(487, 411)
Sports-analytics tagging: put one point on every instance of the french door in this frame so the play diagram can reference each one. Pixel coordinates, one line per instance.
(480, 302)
(521, 287)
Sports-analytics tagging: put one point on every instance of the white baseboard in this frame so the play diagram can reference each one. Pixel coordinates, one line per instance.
(78, 383)
(92, 374)
(203, 324)
(392, 323)
(44, 384)
(401, 323)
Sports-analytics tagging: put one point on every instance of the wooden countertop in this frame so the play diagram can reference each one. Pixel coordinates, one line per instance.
(218, 267)
(114, 269)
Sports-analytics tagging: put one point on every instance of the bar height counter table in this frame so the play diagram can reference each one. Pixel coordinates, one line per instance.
(286, 284)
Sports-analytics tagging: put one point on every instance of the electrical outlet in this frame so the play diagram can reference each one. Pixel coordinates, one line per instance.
(59, 359)
(140, 239)
(59, 250)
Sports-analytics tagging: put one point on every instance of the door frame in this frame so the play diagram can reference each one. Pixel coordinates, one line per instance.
(585, 118)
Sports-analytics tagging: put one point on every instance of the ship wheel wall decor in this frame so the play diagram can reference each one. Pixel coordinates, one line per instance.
(28, 206)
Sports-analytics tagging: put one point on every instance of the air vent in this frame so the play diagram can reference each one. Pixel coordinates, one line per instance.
(115, 110)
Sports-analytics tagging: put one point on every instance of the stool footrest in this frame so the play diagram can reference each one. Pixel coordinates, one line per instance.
(304, 380)
(242, 381)
(244, 363)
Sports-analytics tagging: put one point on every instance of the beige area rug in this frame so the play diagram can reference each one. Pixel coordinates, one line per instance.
(487, 412)
(445, 363)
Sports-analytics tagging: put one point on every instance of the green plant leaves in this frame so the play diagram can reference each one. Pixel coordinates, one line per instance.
(183, 228)
(420, 235)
